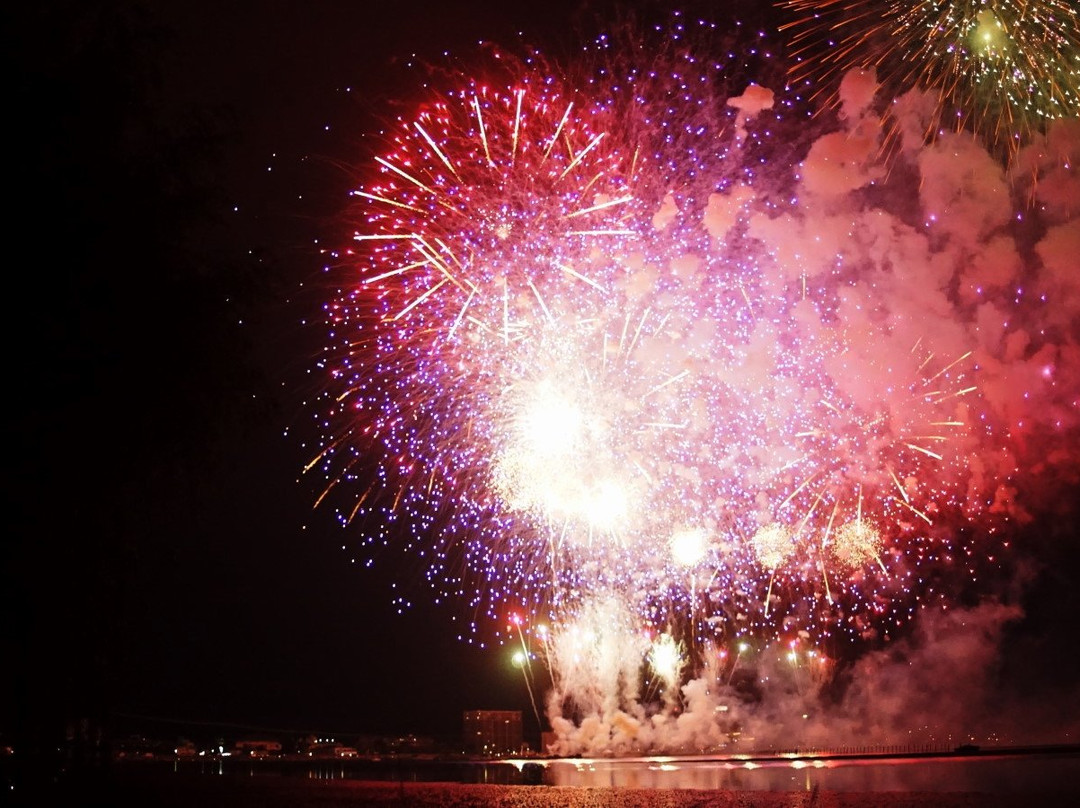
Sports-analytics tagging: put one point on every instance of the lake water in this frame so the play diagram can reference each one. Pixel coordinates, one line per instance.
(989, 773)
(1000, 773)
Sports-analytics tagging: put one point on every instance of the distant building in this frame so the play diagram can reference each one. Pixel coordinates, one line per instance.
(257, 748)
(410, 744)
(136, 747)
(325, 748)
(332, 749)
(492, 732)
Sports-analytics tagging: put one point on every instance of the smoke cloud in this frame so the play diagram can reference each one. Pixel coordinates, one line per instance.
(938, 244)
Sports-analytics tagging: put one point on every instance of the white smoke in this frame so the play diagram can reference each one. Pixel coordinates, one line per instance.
(954, 251)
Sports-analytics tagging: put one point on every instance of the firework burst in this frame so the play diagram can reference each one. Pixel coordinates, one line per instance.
(492, 213)
(594, 362)
(1000, 68)
(490, 204)
(641, 426)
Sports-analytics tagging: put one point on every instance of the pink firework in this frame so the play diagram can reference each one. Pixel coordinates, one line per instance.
(582, 348)
(491, 206)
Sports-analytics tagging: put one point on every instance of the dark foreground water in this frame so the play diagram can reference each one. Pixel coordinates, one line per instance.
(1042, 779)
(1008, 773)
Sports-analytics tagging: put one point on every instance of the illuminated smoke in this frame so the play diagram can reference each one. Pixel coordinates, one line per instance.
(726, 377)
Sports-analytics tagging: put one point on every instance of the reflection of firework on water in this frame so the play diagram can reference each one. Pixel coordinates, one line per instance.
(1002, 68)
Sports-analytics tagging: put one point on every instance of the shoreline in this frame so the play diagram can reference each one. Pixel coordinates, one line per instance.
(759, 756)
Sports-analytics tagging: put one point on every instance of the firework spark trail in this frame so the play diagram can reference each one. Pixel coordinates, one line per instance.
(490, 204)
(597, 374)
(1002, 68)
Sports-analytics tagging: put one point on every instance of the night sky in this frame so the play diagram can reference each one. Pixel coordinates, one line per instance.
(176, 173)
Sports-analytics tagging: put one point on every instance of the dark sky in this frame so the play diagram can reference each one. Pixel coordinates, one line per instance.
(176, 168)
(173, 174)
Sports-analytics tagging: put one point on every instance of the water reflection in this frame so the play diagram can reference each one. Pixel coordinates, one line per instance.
(1000, 773)
(993, 773)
